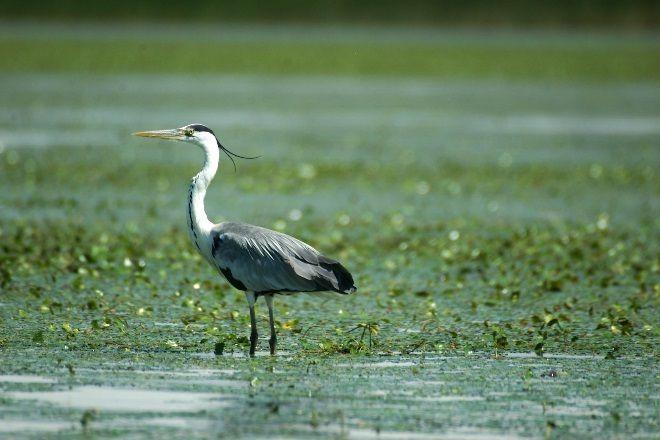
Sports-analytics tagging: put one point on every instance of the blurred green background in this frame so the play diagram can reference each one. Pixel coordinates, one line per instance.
(636, 14)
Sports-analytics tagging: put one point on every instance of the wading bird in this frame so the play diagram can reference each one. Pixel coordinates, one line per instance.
(253, 259)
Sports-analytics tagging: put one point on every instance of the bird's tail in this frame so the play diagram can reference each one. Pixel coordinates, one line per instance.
(345, 283)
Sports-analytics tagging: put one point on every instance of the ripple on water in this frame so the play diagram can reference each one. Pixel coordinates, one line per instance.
(368, 434)
(31, 425)
(36, 425)
(200, 376)
(532, 355)
(240, 355)
(25, 378)
(380, 364)
(121, 399)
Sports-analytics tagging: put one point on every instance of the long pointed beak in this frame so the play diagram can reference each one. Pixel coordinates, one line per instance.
(175, 134)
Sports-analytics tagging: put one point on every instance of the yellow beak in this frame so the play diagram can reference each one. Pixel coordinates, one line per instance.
(175, 134)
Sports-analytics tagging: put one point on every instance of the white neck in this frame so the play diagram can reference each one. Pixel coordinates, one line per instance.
(198, 223)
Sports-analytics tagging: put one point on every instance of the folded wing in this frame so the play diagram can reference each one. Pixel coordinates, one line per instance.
(264, 261)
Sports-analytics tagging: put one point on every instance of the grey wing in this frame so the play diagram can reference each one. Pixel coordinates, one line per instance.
(260, 260)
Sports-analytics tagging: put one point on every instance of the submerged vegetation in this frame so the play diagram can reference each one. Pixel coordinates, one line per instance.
(523, 288)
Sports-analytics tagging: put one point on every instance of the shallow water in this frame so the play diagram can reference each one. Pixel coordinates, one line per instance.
(125, 400)
(31, 426)
(384, 127)
(358, 402)
(18, 378)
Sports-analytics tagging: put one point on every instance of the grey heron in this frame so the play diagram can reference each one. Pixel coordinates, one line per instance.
(256, 260)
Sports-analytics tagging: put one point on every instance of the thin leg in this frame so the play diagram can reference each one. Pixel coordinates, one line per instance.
(254, 336)
(273, 336)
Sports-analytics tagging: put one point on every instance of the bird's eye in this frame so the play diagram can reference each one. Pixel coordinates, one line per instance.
(188, 132)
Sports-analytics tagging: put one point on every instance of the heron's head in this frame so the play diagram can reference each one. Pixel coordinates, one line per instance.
(195, 134)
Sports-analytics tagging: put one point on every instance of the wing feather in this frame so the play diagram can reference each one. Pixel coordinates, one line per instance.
(262, 260)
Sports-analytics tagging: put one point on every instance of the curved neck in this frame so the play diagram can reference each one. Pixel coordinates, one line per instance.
(198, 222)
